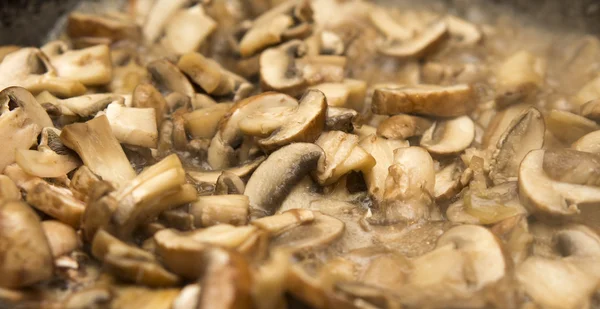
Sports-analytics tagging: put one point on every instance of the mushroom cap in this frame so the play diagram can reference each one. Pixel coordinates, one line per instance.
(419, 45)
(278, 69)
(449, 136)
(275, 177)
(578, 126)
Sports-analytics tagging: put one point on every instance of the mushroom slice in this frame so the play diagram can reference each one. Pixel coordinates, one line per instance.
(588, 143)
(409, 186)
(132, 125)
(158, 17)
(45, 164)
(499, 123)
(87, 105)
(418, 46)
(572, 166)
(229, 134)
(494, 204)
(220, 209)
(243, 171)
(268, 186)
(282, 222)
(519, 77)
(15, 97)
(342, 155)
(99, 149)
(340, 119)
(263, 123)
(588, 92)
(449, 136)
(304, 125)
(387, 25)
(146, 96)
(90, 66)
(143, 298)
(429, 100)
(403, 126)
(203, 123)
(383, 151)
(229, 183)
(466, 32)
(31, 69)
(525, 133)
(483, 250)
(8, 189)
(82, 25)
(17, 131)
(181, 255)
(188, 29)
(578, 126)
(591, 110)
(168, 78)
(130, 263)
(158, 188)
(26, 257)
(322, 231)
(449, 181)
(555, 293)
(62, 238)
(549, 198)
(337, 94)
(279, 70)
(263, 35)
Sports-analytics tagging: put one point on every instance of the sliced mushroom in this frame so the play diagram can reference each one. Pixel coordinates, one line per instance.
(229, 134)
(588, 92)
(342, 155)
(571, 166)
(220, 209)
(279, 223)
(31, 69)
(588, 143)
(268, 186)
(90, 66)
(188, 29)
(82, 25)
(449, 181)
(304, 125)
(17, 131)
(146, 96)
(26, 256)
(278, 68)
(578, 126)
(17, 97)
(546, 197)
(132, 125)
(466, 32)
(492, 205)
(322, 231)
(61, 237)
(243, 171)
(168, 78)
(403, 126)
(418, 46)
(158, 17)
(337, 94)
(383, 151)
(409, 186)
(8, 189)
(500, 122)
(519, 77)
(45, 164)
(591, 110)
(449, 136)
(385, 23)
(451, 101)
(263, 35)
(263, 123)
(341, 119)
(525, 133)
(99, 149)
(229, 183)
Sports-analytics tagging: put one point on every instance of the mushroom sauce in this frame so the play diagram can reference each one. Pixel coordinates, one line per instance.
(277, 154)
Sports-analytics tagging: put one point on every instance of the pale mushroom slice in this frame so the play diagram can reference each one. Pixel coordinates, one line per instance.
(418, 46)
(90, 66)
(279, 70)
(403, 126)
(383, 151)
(322, 231)
(303, 125)
(465, 32)
(243, 171)
(429, 100)
(55, 201)
(386, 24)
(147, 96)
(18, 131)
(45, 163)
(572, 166)
(449, 181)
(525, 133)
(8, 189)
(229, 135)
(17, 97)
(268, 186)
(546, 197)
(590, 91)
(99, 149)
(409, 186)
(591, 110)
(31, 69)
(158, 17)
(203, 122)
(168, 78)
(554, 293)
(217, 209)
(337, 94)
(342, 155)
(263, 123)
(188, 29)
(449, 136)
(83, 25)
(86, 105)
(578, 126)
(26, 257)
(132, 125)
(492, 205)
(518, 78)
(588, 143)
(279, 223)
(62, 238)
(341, 119)
(499, 123)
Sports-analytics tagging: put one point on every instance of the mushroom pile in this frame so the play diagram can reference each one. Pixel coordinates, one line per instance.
(326, 153)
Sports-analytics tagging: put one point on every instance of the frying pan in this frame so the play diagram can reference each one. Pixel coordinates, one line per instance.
(26, 22)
